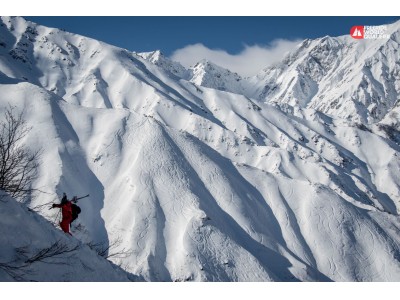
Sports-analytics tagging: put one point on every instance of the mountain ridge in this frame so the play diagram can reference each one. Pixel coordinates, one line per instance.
(305, 77)
(201, 184)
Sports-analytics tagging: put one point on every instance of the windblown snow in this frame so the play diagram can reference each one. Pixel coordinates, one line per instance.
(290, 175)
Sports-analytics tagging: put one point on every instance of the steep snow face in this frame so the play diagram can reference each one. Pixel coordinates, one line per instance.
(354, 79)
(208, 74)
(33, 250)
(204, 73)
(198, 183)
(340, 76)
(159, 59)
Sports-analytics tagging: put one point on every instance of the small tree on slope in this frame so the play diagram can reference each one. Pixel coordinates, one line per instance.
(18, 166)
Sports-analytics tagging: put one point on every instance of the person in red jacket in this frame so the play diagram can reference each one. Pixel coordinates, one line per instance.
(66, 210)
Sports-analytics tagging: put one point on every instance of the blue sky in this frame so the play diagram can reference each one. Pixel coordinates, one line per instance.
(228, 33)
(241, 44)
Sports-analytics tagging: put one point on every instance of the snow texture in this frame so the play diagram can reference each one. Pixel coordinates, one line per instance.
(33, 250)
(206, 176)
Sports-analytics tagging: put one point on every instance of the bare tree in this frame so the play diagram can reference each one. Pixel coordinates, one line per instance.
(110, 250)
(58, 253)
(55, 250)
(18, 165)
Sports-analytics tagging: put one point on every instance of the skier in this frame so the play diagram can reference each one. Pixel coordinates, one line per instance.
(66, 210)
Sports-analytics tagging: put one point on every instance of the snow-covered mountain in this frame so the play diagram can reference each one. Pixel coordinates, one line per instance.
(340, 76)
(158, 58)
(33, 250)
(203, 184)
(204, 73)
(208, 74)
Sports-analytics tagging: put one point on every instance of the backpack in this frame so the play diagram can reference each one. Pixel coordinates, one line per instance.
(76, 210)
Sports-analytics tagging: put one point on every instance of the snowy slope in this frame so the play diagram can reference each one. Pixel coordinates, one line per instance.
(204, 73)
(340, 76)
(33, 250)
(208, 74)
(201, 184)
(158, 58)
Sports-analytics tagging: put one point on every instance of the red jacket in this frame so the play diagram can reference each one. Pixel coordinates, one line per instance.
(66, 209)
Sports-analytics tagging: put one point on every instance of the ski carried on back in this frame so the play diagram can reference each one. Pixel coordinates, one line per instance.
(80, 198)
(70, 211)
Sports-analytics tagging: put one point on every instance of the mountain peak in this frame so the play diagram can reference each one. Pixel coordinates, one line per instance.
(210, 66)
(159, 59)
(208, 74)
(340, 76)
(152, 56)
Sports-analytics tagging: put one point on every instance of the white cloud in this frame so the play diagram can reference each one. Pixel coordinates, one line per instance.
(246, 63)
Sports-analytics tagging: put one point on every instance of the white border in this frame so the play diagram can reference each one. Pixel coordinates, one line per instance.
(198, 291)
(197, 8)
